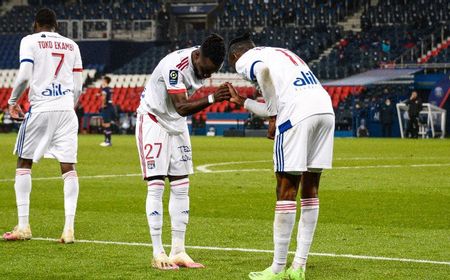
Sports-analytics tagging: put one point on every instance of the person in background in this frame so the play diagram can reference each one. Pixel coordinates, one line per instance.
(414, 107)
(107, 111)
(362, 130)
(387, 117)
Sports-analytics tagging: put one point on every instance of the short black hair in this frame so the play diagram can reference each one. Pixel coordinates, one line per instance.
(213, 47)
(46, 17)
(107, 79)
(240, 43)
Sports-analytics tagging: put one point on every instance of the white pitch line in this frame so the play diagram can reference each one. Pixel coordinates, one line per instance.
(249, 250)
(204, 169)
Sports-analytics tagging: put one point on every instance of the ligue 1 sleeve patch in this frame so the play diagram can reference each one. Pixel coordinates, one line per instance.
(173, 77)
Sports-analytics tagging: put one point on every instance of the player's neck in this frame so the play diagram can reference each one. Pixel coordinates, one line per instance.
(44, 29)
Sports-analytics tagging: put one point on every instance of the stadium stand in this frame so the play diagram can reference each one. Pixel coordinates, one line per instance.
(20, 18)
(392, 32)
(279, 13)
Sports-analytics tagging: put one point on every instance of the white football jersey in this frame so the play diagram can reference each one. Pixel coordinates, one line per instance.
(299, 93)
(54, 59)
(173, 75)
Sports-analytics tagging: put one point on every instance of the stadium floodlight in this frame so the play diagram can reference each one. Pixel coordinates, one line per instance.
(431, 120)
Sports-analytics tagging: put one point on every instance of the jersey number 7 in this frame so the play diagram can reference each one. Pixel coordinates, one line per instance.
(61, 60)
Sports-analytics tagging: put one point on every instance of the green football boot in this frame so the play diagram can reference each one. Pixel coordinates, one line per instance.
(267, 274)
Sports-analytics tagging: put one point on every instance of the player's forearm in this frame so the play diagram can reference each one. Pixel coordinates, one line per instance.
(21, 82)
(256, 108)
(19, 88)
(190, 107)
(267, 88)
(77, 85)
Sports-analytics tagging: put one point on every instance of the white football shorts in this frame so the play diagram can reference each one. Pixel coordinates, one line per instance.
(49, 134)
(161, 153)
(307, 145)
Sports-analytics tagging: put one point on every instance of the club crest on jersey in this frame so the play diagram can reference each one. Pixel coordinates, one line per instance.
(173, 77)
(307, 78)
(151, 164)
(54, 90)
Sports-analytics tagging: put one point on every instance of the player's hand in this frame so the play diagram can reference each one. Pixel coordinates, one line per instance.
(16, 112)
(222, 93)
(272, 127)
(235, 97)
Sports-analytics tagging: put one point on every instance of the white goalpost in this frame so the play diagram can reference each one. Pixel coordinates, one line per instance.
(431, 120)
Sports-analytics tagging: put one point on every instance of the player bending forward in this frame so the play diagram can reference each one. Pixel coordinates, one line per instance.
(163, 141)
(301, 120)
(52, 65)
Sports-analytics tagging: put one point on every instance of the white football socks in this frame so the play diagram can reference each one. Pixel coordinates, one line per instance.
(306, 228)
(283, 224)
(71, 190)
(154, 209)
(179, 213)
(22, 187)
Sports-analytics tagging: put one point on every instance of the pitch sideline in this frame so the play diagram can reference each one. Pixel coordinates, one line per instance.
(249, 250)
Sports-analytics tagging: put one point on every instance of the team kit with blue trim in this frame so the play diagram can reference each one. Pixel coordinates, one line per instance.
(51, 126)
(305, 117)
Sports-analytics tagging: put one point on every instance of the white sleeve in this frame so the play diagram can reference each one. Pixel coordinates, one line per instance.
(78, 64)
(77, 75)
(77, 85)
(21, 82)
(174, 80)
(262, 74)
(256, 108)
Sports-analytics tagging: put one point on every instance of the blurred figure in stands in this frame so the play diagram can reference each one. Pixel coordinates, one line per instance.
(163, 20)
(414, 107)
(387, 117)
(362, 129)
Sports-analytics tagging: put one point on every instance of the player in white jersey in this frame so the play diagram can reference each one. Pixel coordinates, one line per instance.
(163, 141)
(51, 65)
(301, 119)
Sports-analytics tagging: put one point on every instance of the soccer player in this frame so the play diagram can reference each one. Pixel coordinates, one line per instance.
(51, 64)
(301, 120)
(107, 111)
(163, 141)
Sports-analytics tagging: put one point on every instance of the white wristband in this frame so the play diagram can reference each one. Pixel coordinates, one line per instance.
(211, 98)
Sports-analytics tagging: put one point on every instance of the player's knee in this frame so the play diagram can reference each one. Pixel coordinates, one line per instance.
(179, 192)
(67, 167)
(180, 188)
(24, 163)
(287, 193)
(155, 190)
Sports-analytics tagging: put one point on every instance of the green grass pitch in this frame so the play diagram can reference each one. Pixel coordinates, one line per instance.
(385, 198)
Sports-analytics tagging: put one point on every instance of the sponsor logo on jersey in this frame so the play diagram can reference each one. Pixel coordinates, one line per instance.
(55, 90)
(305, 79)
(151, 164)
(173, 77)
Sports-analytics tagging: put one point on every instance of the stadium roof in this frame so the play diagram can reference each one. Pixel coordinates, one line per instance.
(373, 76)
